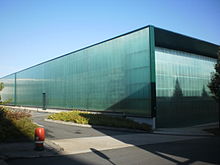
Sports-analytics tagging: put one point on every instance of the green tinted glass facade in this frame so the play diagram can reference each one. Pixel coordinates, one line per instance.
(191, 71)
(149, 72)
(111, 76)
(181, 88)
(8, 92)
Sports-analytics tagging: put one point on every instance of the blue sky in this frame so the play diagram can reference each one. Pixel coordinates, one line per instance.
(33, 31)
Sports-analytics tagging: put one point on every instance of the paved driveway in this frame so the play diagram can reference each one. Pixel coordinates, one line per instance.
(60, 131)
(99, 146)
(203, 151)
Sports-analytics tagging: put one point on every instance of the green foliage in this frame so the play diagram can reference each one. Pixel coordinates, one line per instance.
(15, 126)
(1, 86)
(6, 101)
(214, 84)
(81, 117)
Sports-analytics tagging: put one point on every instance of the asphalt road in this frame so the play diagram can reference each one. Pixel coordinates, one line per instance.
(197, 152)
(204, 150)
(60, 131)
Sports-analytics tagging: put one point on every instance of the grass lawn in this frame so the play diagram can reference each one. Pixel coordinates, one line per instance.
(15, 126)
(82, 117)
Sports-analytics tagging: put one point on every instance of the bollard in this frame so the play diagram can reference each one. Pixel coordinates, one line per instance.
(39, 137)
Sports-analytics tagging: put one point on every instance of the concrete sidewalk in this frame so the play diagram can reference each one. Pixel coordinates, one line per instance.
(37, 109)
(197, 130)
(63, 146)
(60, 147)
(83, 145)
(26, 150)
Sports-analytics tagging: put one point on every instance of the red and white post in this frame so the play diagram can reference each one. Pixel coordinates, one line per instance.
(39, 139)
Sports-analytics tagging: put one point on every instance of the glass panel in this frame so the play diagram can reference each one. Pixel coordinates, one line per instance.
(183, 97)
(112, 76)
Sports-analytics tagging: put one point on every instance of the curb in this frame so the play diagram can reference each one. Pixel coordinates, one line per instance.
(182, 134)
(51, 149)
(36, 109)
(96, 126)
(55, 147)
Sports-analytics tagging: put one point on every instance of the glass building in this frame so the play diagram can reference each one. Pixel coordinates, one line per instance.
(149, 72)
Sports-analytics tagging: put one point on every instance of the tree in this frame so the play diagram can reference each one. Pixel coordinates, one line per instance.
(214, 84)
(1, 87)
(177, 91)
(6, 101)
(204, 93)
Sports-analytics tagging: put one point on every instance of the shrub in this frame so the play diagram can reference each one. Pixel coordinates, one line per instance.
(82, 117)
(15, 126)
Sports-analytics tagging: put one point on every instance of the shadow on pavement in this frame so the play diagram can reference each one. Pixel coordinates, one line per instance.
(18, 148)
(102, 155)
(204, 150)
(197, 150)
